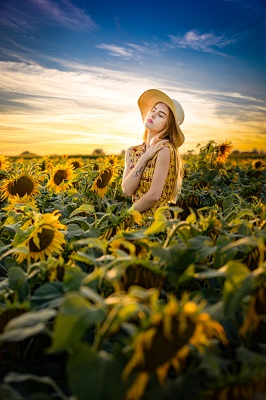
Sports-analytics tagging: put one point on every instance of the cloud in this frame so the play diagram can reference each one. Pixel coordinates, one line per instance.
(205, 42)
(131, 51)
(27, 16)
(66, 14)
(118, 51)
(49, 110)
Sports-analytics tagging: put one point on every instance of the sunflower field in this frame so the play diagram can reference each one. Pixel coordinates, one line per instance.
(99, 304)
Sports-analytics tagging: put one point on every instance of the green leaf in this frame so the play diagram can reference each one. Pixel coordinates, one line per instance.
(87, 208)
(26, 325)
(236, 286)
(48, 295)
(187, 275)
(30, 318)
(156, 227)
(95, 376)
(73, 278)
(75, 317)
(16, 335)
(19, 283)
(34, 387)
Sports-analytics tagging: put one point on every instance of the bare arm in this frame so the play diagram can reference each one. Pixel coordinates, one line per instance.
(150, 198)
(131, 178)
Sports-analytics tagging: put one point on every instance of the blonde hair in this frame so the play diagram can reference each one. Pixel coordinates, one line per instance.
(170, 133)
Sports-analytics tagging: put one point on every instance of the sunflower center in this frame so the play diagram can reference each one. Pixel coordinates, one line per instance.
(104, 178)
(222, 149)
(59, 176)
(75, 164)
(21, 186)
(45, 237)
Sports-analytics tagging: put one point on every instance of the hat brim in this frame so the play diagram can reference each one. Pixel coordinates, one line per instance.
(150, 97)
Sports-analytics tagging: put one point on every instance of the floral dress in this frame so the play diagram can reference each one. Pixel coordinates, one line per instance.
(146, 179)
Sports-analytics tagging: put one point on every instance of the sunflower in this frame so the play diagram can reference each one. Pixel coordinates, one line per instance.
(41, 239)
(45, 163)
(61, 177)
(124, 222)
(105, 177)
(224, 150)
(19, 185)
(20, 203)
(4, 164)
(112, 160)
(258, 164)
(76, 162)
(138, 248)
(167, 342)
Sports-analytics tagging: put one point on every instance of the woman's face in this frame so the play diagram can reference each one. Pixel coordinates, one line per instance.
(157, 118)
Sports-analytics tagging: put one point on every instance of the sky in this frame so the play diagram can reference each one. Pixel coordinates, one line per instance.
(71, 72)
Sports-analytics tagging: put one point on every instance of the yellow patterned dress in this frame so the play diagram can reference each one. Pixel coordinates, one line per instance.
(146, 179)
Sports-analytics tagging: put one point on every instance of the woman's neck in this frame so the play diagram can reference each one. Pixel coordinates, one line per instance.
(149, 138)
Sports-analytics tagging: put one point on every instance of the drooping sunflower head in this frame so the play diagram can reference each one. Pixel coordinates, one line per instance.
(4, 163)
(105, 177)
(42, 238)
(224, 150)
(173, 330)
(19, 185)
(61, 177)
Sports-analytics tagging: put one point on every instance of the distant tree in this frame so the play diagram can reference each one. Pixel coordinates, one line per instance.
(98, 152)
(27, 154)
(123, 152)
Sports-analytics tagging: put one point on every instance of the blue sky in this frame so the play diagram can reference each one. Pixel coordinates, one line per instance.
(71, 72)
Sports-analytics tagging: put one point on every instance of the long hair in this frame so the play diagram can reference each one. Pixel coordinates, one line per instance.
(170, 133)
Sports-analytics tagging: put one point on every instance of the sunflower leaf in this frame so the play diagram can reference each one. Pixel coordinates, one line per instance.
(87, 208)
(18, 281)
(75, 317)
(30, 318)
(17, 335)
(103, 381)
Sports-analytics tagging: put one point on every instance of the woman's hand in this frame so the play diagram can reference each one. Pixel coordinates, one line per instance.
(154, 148)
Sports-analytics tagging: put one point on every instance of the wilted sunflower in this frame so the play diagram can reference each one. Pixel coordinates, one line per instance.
(167, 342)
(42, 238)
(103, 180)
(4, 164)
(19, 185)
(61, 177)
(224, 150)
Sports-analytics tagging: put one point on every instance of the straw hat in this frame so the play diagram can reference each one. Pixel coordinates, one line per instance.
(151, 97)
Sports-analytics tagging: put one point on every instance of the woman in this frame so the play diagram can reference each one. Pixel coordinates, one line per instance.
(153, 170)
